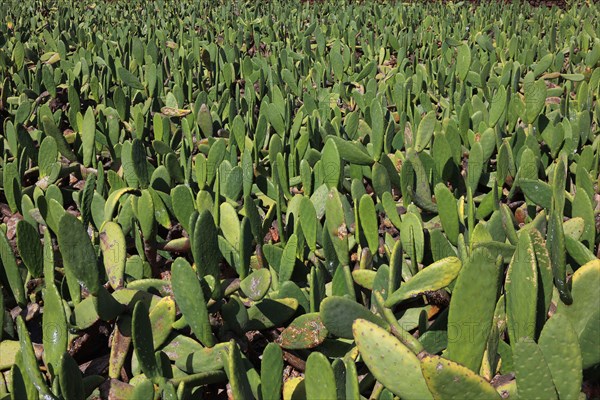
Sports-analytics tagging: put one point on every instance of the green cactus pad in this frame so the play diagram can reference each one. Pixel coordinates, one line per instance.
(234, 367)
(205, 248)
(162, 316)
(78, 252)
(522, 291)
(145, 215)
(537, 191)
(292, 290)
(29, 361)
(472, 320)
(436, 276)
(229, 224)
(179, 346)
(288, 259)
(71, 381)
(560, 346)
(556, 249)
(389, 206)
(351, 151)
(30, 248)
(308, 222)
(386, 357)
(583, 210)
(271, 372)
(339, 313)
(319, 379)
(141, 333)
(235, 315)
(425, 131)
(577, 250)
(15, 280)
(294, 389)
(190, 299)
(54, 326)
(364, 277)
(256, 285)
(204, 360)
(411, 235)
(534, 379)
(574, 227)
(249, 185)
(368, 222)
(2, 315)
(336, 226)
(183, 205)
(113, 246)
(544, 273)
(113, 200)
(143, 389)
(448, 212)
(449, 380)
(586, 281)
(270, 313)
(52, 130)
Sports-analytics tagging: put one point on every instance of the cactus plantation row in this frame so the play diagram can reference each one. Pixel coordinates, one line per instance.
(289, 200)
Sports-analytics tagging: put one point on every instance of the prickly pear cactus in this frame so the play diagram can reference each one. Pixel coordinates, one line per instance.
(435, 277)
(478, 278)
(334, 200)
(584, 322)
(449, 380)
(385, 355)
(534, 379)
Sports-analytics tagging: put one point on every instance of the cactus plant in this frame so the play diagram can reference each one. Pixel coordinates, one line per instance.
(535, 383)
(143, 342)
(339, 313)
(11, 270)
(113, 246)
(189, 298)
(448, 380)
(436, 276)
(54, 326)
(240, 386)
(522, 289)
(584, 323)
(269, 313)
(211, 206)
(566, 372)
(376, 344)
(78, 253)
(271, 371)
(30, 248)
(478, 277)
(319, 379)
(256, 285)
